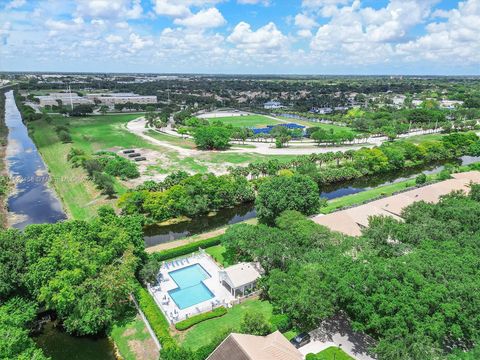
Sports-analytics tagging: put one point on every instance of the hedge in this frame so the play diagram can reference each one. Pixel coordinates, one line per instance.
(194, 320)
(155, 317)
(185, 249)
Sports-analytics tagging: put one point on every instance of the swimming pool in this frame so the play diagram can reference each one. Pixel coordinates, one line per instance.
(191, 290)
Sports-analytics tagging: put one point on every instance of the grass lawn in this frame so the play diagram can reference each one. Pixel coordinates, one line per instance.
(363, 196)
(174, 140)
(333, 353)
(78, 194)
(217, 253)
(247, 121)
(133, 340)
(203, 333)
(315, 124)
(428, 137)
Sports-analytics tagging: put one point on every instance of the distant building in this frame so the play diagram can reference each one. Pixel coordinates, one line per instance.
(250, 347)
(110, 99)
(417, 103)
(273, 105)
(321, 110)
(398, 100)
(53, 99)
(450, 104)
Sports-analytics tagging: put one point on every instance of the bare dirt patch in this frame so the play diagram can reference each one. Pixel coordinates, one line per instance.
(144, 350)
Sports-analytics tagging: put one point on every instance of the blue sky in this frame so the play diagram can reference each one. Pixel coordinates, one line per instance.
(242, 36)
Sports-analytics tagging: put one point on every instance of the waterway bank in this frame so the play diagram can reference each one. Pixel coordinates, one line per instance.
(4, 183)
(159, 238)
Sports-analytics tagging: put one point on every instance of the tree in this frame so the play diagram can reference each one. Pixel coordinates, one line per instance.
(421, 179)
(281, 193)
(15, 317)
(103, 109)
(212, 137)
(64, 136)
(13, 264)
(255, 323)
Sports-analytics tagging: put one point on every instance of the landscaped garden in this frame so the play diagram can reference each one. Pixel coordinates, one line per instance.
(331, 353)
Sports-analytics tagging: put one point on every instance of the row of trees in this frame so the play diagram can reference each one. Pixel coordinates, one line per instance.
(82, 271)
(186, 196)
(331, 167)
(411, 285)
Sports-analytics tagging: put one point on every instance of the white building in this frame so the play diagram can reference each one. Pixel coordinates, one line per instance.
(240, 279)
(110, 99)
(450, 104)
(273, 105)
(53, 99)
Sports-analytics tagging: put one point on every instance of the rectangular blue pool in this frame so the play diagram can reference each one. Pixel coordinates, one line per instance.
(191, 290)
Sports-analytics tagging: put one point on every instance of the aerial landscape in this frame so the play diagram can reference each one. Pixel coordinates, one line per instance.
(240, 179)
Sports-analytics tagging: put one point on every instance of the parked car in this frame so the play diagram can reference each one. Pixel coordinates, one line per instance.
(300, 340)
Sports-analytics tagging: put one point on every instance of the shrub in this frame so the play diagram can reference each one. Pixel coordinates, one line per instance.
(194, 320)
(155, 317)
(186, 249)
(64, 136)
(421, 179)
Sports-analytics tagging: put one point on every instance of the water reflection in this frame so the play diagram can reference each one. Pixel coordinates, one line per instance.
(32, 202)
(155, 235)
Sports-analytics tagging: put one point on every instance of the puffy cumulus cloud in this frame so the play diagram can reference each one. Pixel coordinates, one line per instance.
(208, 18)
(266, 38)
(303, 21)
(137, 42)
(130, 9)
(179, 8)
(454, 41)
(366, 35)
(316, 4)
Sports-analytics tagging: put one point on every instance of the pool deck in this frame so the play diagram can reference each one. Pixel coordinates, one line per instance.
(174, 314)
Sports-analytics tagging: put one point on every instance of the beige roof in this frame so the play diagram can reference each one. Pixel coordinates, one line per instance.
(241, 274)
(351, 221)
(250, 347)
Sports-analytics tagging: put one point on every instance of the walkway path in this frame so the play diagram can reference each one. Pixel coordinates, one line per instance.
(338, 332)
(137, 127)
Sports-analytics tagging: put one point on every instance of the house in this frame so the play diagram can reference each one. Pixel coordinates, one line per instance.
(241, 278)
(450, 104)
(273, 105)
(250, 347)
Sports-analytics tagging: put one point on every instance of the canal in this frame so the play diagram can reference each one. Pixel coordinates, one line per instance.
(33, 202)
(156, 234)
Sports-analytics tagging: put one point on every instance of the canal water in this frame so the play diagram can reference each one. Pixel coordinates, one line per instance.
(32, 202)
(155, 234)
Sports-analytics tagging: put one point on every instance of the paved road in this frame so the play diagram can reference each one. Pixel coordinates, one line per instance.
(338, 332)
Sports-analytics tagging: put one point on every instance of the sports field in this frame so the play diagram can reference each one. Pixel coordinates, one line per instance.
(247, 121)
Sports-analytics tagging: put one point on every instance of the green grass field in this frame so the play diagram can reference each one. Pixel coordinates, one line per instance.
(174, 140)
(428, 137)
(247, 121)
(203, 333)
(78, 194)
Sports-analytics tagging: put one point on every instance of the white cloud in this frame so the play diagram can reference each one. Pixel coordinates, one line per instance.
(455, 41)
(130, 9)
(209, 18)
(304, 21)
(266, 40)
(316, 4)
(14, 4)
(113, 39)
(179, 8)
(138, 43)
